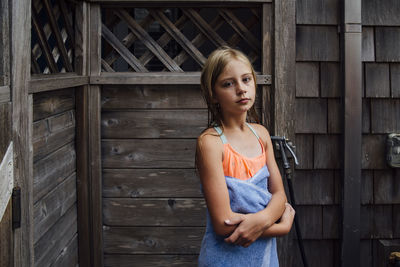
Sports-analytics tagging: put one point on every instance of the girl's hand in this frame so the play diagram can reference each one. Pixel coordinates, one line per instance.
(249, 229)
(288, 216)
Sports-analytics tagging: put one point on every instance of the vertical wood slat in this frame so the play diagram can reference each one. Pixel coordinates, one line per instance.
(82, 162)
(64, 14)
(4, 45)
(57, 35)
(94, 142)
(351, 41)
(22, 127)
(266, 35)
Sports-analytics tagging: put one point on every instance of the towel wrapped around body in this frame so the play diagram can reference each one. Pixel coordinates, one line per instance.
(246, 196)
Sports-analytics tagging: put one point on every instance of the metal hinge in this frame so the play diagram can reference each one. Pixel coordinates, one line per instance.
(16, 207)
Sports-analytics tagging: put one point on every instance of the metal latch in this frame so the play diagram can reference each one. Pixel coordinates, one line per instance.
(16, 207)
(393, 150)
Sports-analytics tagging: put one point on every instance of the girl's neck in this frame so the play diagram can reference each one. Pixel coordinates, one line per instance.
(234, 122)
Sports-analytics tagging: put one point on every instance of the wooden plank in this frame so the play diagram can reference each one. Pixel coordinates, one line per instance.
(330, 218)
(51, 103)
(53, 169)
(325, 40)
(307, 79)
(20, 47)
(395, 80)
(59, 236)
(334, 116)
(330, 79)
(266, 67)
(327, 152)
(69, 255)
(5, 94)
(366, 115)
(153, 124)
(385, 114)
(386, 39)
(154, 212)
(5, 131)
(373, 152)
(156, 78)
(382, 221)
(314, 187)
(54, 138)
(179, 37)
(6, 234)
(375, 12)
(366, 228)
(6, 178)
(41, 83)
(386, 187)
(154, 97)
(307, 110)
(152, 240)
(152, 153)
(304, 151)
(151, 183)
(368, 44)
(310, 221)
(65, 13)
(317, 12)
(57, 34)
(4, 44)
(148, 41)
(118, 260)
(367, 187)
(122, 50)
(49, 209)
(377, 80)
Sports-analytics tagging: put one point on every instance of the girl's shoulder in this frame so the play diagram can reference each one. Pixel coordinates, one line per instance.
(209, 139)
(261, 131)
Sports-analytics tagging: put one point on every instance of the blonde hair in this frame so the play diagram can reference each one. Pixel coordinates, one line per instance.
(213, 67)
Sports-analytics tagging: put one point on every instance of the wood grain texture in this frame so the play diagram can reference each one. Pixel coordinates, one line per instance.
(153, 124)
(121, 97)
(154, 212)
(311, 110)
(317, 12)
(373, 152)
(324, 40)
(43, 83)
(118, 260)
(331, 222)
(316, 187)
(151, 183)
(5, 130)
(51, 170)
(334, 115)
(51, 103)
(4, 44)
(327, 152)
(58, 236)
(69, 255)
(152, 240)
(152, 153)
(377, 80)
(310, 221)
(386, 38)
(367, 187)
(304, 151)
(395, 79)
(386, 186)
(385, 114)
(307, 79)
(368, 44)
(48, 210)
(366, 115)
(381, 13)
(5, 94)
(6, 235)
(330, 79)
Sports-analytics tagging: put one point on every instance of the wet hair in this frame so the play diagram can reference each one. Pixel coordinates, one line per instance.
(213, 67)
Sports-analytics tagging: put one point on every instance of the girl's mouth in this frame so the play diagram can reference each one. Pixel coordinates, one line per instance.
(243, 100)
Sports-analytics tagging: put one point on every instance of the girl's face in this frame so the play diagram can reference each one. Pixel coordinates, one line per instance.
(235, 88)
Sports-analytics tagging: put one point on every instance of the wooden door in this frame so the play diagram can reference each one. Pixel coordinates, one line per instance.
(153, 212)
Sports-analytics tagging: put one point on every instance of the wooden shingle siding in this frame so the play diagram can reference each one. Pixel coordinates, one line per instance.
(326, 151)
(310, 221)
(317, 43)
(395, 79)
(386, 187)
(368, 51)
(334, 116)
(325, 253)
(330, 219)
(373, 152)
(150, 260)
(304, 151)
(311, 115)
(366, 258)
(367, 187)
(385, 115)
(377, 12)
(307, 79)
(377, 222)
(366, 115)
(322, 182)
(387, 39)
(330, 79)
(317, 12)
(377, 80)
(396, 221)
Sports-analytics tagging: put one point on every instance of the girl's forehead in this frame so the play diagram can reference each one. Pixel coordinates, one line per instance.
(235, 67)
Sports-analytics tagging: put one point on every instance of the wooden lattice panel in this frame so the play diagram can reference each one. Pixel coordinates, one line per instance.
(176, 39)
(52, 36)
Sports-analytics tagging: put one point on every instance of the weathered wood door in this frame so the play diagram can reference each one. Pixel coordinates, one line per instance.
(152, 111)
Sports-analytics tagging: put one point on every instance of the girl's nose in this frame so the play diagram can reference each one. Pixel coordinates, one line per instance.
(240, 89)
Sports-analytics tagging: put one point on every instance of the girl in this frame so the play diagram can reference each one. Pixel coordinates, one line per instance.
(240, 179)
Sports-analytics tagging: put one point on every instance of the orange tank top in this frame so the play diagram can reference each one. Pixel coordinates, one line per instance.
(238, 166)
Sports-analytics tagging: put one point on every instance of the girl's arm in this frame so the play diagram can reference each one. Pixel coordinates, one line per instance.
(209, 154)
(254, 224)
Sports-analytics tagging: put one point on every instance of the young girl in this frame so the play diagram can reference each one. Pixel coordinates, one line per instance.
(240, 179)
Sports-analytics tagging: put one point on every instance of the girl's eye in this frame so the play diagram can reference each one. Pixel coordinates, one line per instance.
(246, 79)
(227, 84)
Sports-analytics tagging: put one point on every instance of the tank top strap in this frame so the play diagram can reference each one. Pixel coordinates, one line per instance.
(221, 135)
(252, 129)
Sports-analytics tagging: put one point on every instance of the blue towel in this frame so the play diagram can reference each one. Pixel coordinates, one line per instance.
(246, 196)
